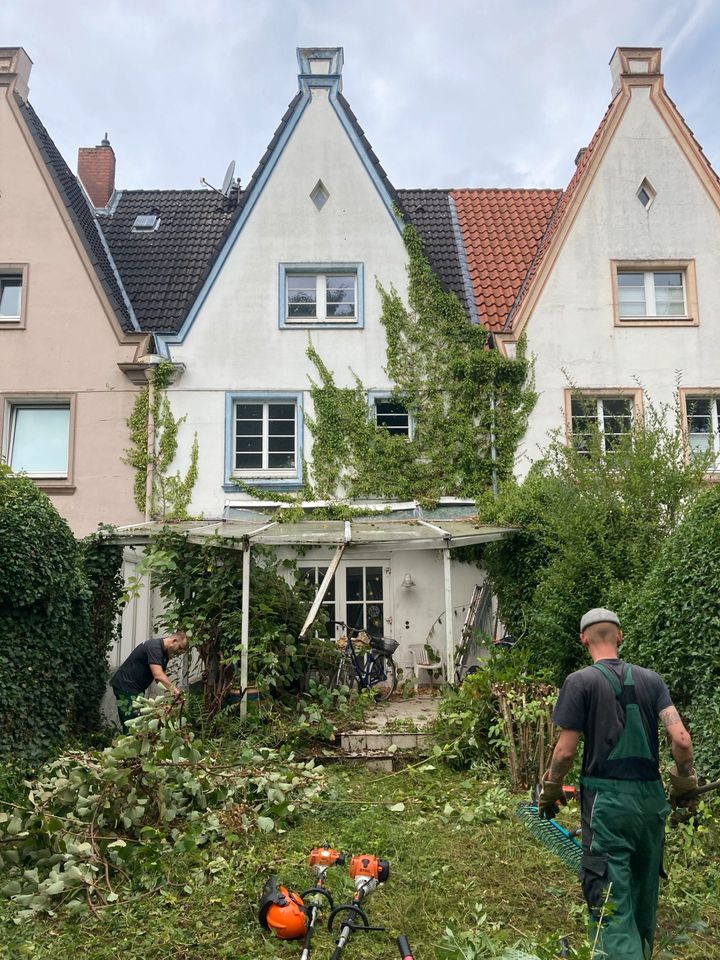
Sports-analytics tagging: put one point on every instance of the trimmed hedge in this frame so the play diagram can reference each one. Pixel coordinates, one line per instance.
(58, 602)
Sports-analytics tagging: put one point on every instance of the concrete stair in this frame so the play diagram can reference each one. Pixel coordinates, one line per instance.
(392, 728)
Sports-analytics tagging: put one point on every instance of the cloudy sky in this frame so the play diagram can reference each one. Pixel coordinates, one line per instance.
(451, 93)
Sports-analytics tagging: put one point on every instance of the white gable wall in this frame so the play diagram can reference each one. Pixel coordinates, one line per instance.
(572, 324)
(236, 344)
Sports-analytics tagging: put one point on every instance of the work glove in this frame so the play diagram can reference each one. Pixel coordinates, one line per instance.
(551, 796)
(679, 787)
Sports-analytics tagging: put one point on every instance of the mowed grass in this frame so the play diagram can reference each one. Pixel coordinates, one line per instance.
(443, 864)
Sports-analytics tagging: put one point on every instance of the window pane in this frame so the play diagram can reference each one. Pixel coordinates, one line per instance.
(393, 416)
(699, 424)
(301, 295)
(248, 444)
(373, 583)
(39, 440)
(631, 294)
(355, 613)
(669, 297)
(281, 444)
(281, 461)
(354, 583)
(340, 301)
(281, 411)
(617, 420)
(248, 461)
(10, 296)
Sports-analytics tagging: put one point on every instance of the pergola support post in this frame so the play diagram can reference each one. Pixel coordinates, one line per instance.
(449, 633)
(244, 647)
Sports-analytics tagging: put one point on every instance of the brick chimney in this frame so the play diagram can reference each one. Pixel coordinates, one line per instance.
(96, 169)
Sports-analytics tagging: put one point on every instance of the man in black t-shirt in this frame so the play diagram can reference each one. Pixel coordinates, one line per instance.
(615, 707)
(146, 663)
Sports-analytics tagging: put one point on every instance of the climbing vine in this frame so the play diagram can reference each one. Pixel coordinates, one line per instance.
(171, 493)
(468, 404)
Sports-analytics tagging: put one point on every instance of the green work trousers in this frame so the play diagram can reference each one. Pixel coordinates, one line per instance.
(623, 839)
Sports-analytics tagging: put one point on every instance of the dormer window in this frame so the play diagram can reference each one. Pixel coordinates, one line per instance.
(146, 223)
(646, 193)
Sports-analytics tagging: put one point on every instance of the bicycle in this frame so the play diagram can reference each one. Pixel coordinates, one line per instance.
(370, 665)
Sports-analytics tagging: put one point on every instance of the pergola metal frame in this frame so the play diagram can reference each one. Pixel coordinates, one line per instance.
(372, 534)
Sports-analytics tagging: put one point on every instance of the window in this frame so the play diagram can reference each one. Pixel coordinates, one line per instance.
(321, 295)
(655, 292)
(651, 294)
(10, 297)
(703, 425)
(315, 575)
(39, 439)
(146, 223)
(646, 193)
(364, 603)
(319, 195)
(611, 416)
(263, 439)
(392, 416)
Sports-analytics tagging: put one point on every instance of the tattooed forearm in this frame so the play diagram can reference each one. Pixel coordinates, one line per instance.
(669, 716)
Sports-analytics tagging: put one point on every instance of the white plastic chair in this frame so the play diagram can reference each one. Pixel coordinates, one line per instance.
(422, 661)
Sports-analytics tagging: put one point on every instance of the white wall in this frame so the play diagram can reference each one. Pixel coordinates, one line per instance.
(572, 324)
(236, 344)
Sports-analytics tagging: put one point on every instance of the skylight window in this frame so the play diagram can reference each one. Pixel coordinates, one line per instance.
(319, 195)
(646, 193)
(146, 223)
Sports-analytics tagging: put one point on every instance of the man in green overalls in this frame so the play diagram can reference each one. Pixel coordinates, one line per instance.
(615, 706)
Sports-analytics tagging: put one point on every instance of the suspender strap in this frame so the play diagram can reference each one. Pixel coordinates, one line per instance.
(612, 679)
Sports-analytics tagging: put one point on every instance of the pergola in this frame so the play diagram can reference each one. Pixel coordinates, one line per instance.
(376, 534)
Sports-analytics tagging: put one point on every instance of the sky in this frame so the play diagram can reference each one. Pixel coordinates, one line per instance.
(451, 93)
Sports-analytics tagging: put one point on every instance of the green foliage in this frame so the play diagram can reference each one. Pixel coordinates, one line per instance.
(501, 715)
(58, 604)
(202, 585)
(93, 820)
(172, 493)
(672, 621)
(469, 404)
(591, 525)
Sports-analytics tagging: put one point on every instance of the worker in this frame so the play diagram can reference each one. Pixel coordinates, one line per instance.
(146, 663)
(615, 707)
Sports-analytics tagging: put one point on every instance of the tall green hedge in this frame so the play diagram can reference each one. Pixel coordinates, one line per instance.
(672, 624)
(58, 603)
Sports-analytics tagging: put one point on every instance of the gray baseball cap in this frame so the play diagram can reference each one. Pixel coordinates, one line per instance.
(598, 615)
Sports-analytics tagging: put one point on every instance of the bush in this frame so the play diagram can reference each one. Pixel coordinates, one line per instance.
(54, 634)
(591, 524)
(672, 622)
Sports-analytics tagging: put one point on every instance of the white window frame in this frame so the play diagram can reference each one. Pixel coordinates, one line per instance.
(321, 272)
(648, 269)
(374, 398)
(598, 398)
(59, 481)
(265, 470)
(714, 435)
(16, 271)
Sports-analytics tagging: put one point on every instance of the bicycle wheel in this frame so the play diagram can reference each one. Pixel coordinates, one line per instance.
(383, 677)
(345, 675)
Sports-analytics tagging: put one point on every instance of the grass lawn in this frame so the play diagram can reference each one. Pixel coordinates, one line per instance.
(451, 857)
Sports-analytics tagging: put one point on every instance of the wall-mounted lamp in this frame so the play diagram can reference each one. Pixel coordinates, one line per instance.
(408, 581)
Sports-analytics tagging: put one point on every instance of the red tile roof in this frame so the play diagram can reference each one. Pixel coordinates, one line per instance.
(501, 231)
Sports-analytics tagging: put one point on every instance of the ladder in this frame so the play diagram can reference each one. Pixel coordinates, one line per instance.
(478, 620)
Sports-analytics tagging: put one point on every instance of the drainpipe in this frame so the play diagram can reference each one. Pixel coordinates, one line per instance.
(493, 451)
(150, 473)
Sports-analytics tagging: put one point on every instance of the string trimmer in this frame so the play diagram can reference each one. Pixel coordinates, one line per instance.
(368, 872)
(320, 860)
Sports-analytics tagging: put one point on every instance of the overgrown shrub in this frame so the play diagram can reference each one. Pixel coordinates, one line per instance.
(57, 615)
(202, 586)
(672, 622)
(591, 524)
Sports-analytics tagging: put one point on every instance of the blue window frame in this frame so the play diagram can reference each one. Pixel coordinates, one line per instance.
(263, 439)
(313, 295)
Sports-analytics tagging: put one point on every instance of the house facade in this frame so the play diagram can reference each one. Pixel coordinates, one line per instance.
(621, 304)
(66, 326)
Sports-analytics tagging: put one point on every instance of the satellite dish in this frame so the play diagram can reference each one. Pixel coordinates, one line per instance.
(228, 180)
